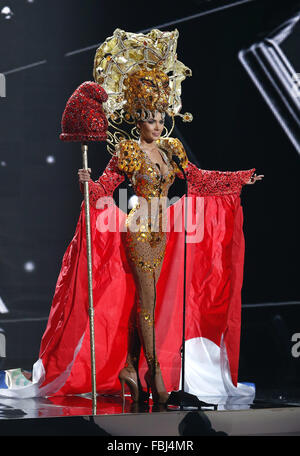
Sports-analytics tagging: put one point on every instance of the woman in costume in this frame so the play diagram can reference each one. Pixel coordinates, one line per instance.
(142, 77)
(133, 70)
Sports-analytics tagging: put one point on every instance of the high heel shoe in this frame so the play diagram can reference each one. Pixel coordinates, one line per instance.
(128, 375)
(156, 384)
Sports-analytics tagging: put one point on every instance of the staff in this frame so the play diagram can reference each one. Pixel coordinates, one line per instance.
(84, 120)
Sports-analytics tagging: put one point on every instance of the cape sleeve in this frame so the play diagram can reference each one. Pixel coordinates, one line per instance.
(204, 182)
(111, 177)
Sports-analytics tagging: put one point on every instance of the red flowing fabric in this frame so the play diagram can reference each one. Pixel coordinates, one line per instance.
(214, 274)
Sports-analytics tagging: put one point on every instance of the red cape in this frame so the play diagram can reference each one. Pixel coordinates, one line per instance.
(213, 288)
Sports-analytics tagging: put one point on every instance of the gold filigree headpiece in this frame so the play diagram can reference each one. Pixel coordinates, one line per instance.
(141, 75)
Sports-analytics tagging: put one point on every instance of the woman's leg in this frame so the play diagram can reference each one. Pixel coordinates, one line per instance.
(146, 259)
(134, 337)
(133, 340)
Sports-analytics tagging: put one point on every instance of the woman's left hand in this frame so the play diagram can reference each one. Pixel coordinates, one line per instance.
(254, 178)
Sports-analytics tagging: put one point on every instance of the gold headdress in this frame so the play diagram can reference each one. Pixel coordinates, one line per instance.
(141, 75)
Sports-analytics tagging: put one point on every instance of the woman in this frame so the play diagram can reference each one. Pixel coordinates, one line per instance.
(142, 77)
(145, 248)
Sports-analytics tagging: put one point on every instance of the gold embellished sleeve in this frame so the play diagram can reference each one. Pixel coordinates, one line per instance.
(174, 146)
(128, 154)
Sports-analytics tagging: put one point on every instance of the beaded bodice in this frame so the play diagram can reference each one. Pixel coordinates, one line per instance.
(148, 181)
(151, 185)
(147, 178)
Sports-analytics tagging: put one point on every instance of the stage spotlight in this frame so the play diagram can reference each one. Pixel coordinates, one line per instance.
(7, 12)
(29, 266)
(50, 159)
(3, 163)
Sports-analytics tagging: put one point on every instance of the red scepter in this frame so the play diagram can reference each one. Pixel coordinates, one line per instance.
(84, 120)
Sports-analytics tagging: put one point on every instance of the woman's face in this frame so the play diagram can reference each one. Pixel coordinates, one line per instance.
(151, 129)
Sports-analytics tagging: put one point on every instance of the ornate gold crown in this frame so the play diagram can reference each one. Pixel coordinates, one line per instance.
(141, 75)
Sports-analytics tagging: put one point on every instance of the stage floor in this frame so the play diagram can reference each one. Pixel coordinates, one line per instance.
(271, 412)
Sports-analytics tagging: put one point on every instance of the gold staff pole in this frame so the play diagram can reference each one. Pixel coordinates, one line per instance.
(84, 149)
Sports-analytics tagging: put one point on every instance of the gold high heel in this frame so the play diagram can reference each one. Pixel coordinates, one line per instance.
(136, 390)
(153, 381)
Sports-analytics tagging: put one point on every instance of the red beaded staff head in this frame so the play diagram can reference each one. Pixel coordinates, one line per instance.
(83, 118)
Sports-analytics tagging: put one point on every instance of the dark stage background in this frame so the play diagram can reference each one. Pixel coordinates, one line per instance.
(47, 49)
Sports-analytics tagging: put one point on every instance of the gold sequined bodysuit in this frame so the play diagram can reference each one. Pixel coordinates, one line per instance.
(145, 231)
(146, 227)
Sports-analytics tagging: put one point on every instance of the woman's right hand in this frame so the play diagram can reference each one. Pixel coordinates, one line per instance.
(84, 175)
